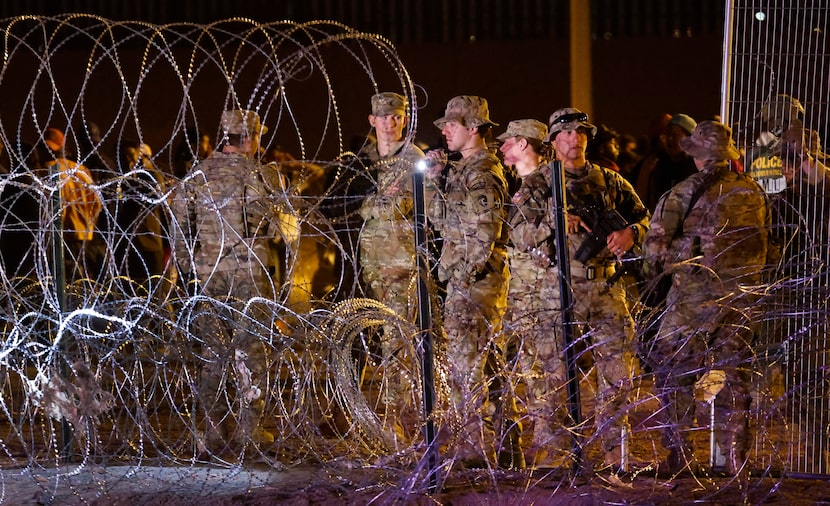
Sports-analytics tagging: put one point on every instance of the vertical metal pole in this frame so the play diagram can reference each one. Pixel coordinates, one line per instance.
(566, 301)
(59, 276)
(425, 322)
(726, 97)
(726, 76)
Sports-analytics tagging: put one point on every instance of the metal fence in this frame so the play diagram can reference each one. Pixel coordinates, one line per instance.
(775, 50)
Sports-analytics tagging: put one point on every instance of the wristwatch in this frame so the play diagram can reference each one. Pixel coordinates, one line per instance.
(636, 230)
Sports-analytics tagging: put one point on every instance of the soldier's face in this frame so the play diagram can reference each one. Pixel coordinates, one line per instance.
(388, 128)
(456, 135)
(511, 149)
(570, 145)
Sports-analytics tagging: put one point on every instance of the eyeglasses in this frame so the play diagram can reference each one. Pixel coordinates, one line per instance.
(570, 118)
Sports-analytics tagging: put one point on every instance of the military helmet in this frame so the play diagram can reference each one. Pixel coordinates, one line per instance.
(568, 119)
(782, 111)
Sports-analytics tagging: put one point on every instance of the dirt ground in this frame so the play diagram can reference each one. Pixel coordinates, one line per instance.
(121, 485)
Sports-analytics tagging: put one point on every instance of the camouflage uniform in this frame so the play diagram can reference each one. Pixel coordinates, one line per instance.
(604, 310)
(470, 217)
(533, 312)
(387, 259)
(387, 242)
(227, 215)
(713, 251)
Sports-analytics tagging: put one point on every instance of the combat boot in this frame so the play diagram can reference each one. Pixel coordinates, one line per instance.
(731, 456)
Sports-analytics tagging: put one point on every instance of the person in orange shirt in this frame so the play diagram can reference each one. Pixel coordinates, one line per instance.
(80, 205)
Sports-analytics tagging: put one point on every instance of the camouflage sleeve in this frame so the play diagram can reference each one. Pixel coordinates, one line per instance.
(435, 200)
(180, 227)
(484, 219)
(393, 197)
(277, 216)
(630, 206)
(664, 228)
(531, 223)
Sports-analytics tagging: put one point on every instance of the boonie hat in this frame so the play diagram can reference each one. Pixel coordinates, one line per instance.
(242, 122)
(470, 111)
(387, 103)
(568, 119)
(711, 141)
(527, 128)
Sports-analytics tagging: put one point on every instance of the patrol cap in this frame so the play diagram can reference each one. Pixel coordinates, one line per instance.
(527, 128)
(242, 122)
(684, 121)
(387, 103)
(711, 140)
(782, 110)
(568, 119)
(470, 111)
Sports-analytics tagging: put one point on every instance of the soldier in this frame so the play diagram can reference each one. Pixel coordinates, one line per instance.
(387, 241)
(226, 221)
(710, 233)
(532, 311)
(468, 209)
(597, 197)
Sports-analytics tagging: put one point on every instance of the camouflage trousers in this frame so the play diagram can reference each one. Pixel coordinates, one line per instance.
(232, 334)
(387, 261)
(538, 377)
(697, 338)
(388, 269)
(472, 317)
(609, 331)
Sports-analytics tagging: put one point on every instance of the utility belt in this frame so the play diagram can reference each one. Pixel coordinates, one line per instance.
(591, 272)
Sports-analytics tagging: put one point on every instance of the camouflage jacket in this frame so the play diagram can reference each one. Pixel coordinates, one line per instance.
(721, 242)
(594, 187)
(470, 215)
(529, 221)
(392, 199)
(228, 214)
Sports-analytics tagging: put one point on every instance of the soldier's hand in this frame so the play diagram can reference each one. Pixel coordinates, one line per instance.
(574, 223)
(435, 160)
(620, 241)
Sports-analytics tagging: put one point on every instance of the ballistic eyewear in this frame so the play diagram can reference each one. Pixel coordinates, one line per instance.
(576, 117)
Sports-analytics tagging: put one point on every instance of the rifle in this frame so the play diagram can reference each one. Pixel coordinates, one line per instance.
(602, 223)
(631, 263)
